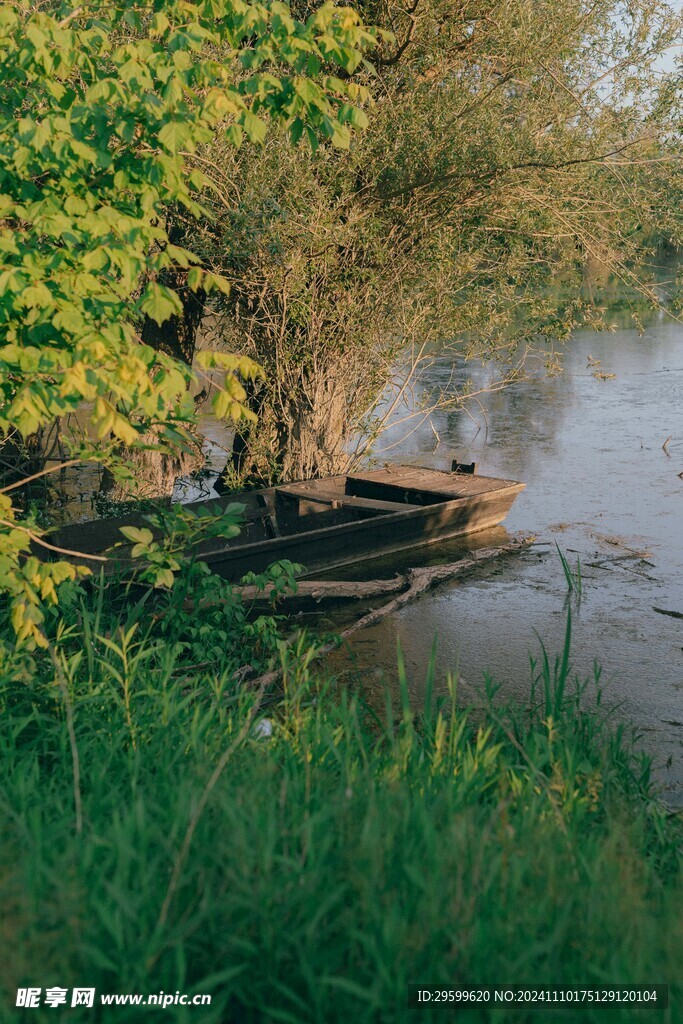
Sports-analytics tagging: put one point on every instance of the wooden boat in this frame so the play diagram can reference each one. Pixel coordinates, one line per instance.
(324, 524)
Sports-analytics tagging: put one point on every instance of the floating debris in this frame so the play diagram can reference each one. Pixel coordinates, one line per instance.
(667, 611)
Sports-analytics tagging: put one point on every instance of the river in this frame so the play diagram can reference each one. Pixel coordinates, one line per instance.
(602, 483)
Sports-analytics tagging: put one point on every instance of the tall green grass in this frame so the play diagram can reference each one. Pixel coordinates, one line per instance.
(155, 838)
(573, 577)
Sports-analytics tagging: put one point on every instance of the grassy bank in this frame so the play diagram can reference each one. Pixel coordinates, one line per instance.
(162, 830)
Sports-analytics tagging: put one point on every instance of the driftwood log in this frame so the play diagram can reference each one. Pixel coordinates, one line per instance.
(414, 583)
(329, 590)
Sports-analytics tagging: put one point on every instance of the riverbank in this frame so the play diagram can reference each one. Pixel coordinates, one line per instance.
(306, 860)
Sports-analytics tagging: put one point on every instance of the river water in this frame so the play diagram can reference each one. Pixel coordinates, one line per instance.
(600, 484)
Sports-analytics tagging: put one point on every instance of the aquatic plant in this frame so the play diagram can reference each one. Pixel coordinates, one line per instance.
(573, 577)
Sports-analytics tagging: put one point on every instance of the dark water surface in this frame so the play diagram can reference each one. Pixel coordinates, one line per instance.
(598, 483)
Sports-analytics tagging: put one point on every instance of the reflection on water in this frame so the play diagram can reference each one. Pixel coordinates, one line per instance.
(74, 495)
(601, 485)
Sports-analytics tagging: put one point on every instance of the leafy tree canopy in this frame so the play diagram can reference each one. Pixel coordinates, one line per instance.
(103, 110)
(515, 147)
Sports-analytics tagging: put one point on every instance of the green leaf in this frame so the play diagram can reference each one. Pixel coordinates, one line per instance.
(138, 536)
(312, 139)
(255, 128)
(164, 578)
(195, 278)
(296, 130)
(353, 116)
(235, 135)
(159, 303)
(175, 135)
(215, 282)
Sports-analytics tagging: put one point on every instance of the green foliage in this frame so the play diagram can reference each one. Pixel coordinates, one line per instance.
(351, 852)
(102, 111)
(101, 114)
(194, 613)
(29, 585)
(177, 533)
(281, 579)
(513, 149)
(174, 608)
(204, 620)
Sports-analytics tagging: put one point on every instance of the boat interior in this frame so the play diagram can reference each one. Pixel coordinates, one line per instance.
(297, 508)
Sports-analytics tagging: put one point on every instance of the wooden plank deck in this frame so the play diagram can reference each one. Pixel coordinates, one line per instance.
(430, 481)
(338, 500)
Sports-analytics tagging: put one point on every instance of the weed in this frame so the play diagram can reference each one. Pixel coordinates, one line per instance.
(573, 578)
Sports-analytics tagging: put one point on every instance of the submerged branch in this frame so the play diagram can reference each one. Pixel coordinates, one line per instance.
(418, 582)
(43, 472)
(668, 611)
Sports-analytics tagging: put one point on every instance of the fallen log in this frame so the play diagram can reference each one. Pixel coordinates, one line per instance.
(325, 590)
(308, 594)
(315, 591)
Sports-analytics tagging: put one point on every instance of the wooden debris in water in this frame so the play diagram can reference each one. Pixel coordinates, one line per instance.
(667, 611)
(618, 563)
(334, 590)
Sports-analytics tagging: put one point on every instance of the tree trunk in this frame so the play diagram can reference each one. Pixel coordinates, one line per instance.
(302, 439)
(176, 337)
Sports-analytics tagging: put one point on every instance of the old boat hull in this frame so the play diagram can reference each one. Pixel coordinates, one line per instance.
(332, 547)
(326, 524)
